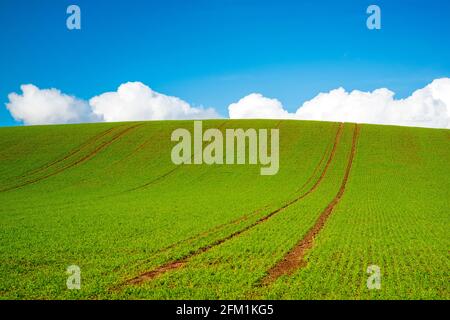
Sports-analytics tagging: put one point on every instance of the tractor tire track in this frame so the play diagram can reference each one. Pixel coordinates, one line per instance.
(316, 169)
(166, 174)
(241, 218)
(79, 161)
(85, 144)
(206, 233)
(171, 265)
(294, 259)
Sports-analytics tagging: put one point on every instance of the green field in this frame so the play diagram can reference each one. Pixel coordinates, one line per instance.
(108, 198)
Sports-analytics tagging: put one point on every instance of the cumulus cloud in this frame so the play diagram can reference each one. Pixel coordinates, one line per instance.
(426, 107)
(47, 106)
(131, 101)
(256, 106)
(136, 101)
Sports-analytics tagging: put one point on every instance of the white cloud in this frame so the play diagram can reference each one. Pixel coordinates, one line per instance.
(47, 106)
(132, 101)
(426, 107)
(136, 101)
(256, 106)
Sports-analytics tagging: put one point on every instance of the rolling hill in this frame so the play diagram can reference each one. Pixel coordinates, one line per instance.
(107, 198)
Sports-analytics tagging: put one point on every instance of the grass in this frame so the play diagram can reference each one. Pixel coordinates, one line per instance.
(106, 197)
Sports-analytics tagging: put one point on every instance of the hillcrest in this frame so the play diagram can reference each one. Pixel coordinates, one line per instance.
(235, 147)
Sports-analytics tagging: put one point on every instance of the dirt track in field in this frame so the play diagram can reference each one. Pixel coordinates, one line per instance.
(168, 173)
(79, 161)
(294, 259)
(230, 223)
(241, 218)
(171, 265)
(87, 143)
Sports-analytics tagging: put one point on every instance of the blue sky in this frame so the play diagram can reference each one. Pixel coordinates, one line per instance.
(212, 53)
